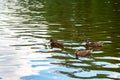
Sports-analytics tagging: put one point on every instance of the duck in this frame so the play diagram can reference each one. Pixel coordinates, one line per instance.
(56, 44)
(93, 44)
(82, 53)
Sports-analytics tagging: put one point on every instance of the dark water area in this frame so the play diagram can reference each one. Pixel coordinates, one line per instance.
(26, 26)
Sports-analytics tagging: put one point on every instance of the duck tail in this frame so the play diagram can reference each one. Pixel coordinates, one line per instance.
(91, 50)
(101, 43)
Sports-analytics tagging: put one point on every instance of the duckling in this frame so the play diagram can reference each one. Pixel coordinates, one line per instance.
(93, 44)
(82, 53)
(56, 44)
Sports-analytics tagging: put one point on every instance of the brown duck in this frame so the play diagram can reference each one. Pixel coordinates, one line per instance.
(93, 44)
(82, 53)
(56, 44)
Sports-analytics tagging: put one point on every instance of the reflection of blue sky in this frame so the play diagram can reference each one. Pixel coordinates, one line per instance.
(93, 73)
(16, 62)
(48, 75)
(14, 65)
(107, 65)
(108, 58)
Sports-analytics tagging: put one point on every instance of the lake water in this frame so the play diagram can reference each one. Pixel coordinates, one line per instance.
(26, 26)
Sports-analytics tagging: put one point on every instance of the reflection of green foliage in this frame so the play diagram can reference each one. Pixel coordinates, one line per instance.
(92, 15)
(58, 11)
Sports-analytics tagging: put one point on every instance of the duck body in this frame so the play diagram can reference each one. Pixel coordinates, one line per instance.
(56, 44)
(93, 44)
(82, 53)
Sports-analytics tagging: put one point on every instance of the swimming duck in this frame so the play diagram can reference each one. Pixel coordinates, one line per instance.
(82, 53)
(93, 44)
(56, 44)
